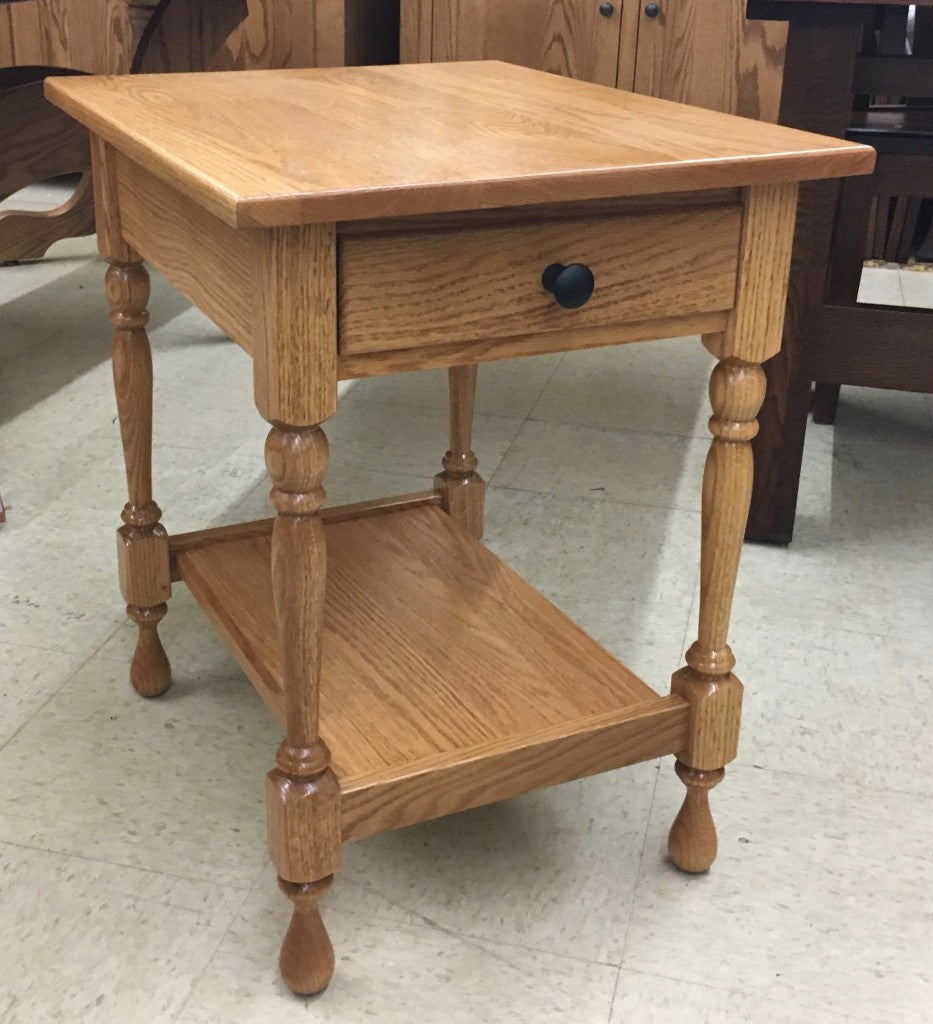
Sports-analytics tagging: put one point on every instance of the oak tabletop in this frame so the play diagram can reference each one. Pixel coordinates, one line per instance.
(270, 148)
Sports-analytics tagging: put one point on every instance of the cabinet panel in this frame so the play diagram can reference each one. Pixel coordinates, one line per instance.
(706, 53)
(569, 37)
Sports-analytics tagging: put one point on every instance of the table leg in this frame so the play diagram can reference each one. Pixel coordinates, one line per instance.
(463, 488)
(142, 543)
(303, 795)
(707, 683)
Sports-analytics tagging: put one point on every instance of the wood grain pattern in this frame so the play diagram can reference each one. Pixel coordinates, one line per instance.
(565, 37)
(142, 543)
(499, 770)
(294, 297)
(419, 289)
(204, 258)
(390, 697)
(302, 793)
(757, 321)
(293, 154)
(706, 53)
(27, 235)
(406, 360)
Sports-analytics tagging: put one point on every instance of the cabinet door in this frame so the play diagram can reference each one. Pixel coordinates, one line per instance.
(704, 52)
(569, 37)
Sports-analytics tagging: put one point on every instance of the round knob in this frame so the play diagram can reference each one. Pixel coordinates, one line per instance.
(572, 285)
(607, 10)
(652, 10)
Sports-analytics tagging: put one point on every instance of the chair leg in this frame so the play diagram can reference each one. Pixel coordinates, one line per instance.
(28, 235)
(824, 402)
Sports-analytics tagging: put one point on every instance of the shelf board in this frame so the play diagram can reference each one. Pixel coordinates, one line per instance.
(447, 680)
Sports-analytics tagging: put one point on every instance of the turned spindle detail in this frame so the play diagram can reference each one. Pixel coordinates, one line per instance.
(707, 682)
(303, 794)
(142, 543)
(463, 488)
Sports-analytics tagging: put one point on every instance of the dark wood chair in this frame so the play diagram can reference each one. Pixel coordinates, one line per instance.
(878, 207)
(37, 141)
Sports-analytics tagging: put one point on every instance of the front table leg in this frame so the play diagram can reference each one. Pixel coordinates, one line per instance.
(736, 392)
(142, 543)
(303, 795)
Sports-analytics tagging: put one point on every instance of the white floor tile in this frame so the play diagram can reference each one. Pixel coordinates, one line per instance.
(394, 974)
(552, 871)
(175, 784)
(822, 895)
(86, 942)
(29, 676)
(601, 388)
(917, 287)
(658, 470)
(650, 999)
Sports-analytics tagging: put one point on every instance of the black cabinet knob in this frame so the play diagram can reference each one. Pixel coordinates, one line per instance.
(652, 10)
(571, 285)
(607, 10)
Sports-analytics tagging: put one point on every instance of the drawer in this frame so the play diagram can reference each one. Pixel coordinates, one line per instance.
(406, 290)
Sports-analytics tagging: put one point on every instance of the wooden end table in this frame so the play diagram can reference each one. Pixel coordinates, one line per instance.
(354, 222)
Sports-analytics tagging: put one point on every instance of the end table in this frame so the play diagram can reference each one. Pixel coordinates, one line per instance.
(352, 222)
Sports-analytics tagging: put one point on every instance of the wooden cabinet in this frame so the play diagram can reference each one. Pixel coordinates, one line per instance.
(569, 37)
(705, 52)
(696, 51)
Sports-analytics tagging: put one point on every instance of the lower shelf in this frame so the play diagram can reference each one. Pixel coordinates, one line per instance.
(447, 681)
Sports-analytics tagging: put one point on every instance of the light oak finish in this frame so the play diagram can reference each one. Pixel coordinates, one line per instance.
(406, 360)
(142, 543)
(406, 736)
(414, 674)
(463, 490)
(260, 168)
(208, 261)
(737, 389)
(701, 52)
(421, 289)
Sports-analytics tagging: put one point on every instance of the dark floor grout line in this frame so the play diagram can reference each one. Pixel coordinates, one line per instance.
(55, 692)
(423, 921)
(757, 995)
(210, 959)
(103, 862)
(640, 869)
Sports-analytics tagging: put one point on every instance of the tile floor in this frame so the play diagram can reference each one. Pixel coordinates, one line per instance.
(134, 883)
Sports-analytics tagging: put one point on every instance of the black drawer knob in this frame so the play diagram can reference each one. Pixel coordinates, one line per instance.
(571, 285)
(607, 10)
(652, 10)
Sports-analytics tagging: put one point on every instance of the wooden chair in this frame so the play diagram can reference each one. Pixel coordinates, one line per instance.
(48, 37)
(902, 134)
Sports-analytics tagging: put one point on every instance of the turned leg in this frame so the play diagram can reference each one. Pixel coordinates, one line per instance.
(463, 488)
(142, 543)
(707, 683)
(303, 795)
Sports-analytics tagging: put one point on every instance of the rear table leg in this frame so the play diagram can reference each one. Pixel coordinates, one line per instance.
(464, 490)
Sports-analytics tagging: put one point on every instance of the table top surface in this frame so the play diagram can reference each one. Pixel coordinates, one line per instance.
(273, 148)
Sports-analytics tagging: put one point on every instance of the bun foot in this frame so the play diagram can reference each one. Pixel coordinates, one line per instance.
(150, 672)
(307, 957)
(692, 843)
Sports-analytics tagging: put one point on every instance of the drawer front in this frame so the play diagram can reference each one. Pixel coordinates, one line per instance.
(424, 288)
